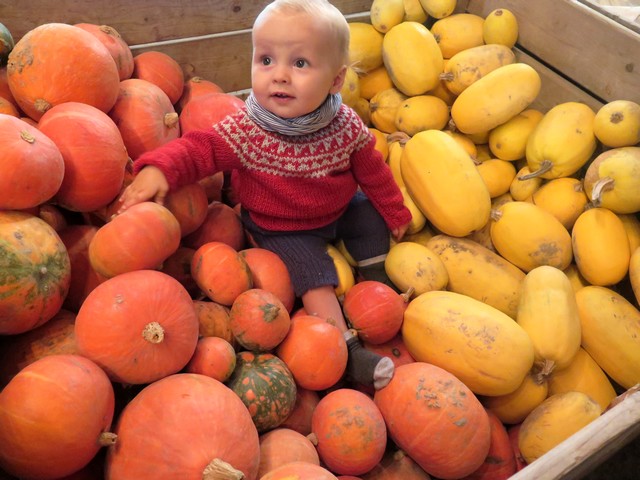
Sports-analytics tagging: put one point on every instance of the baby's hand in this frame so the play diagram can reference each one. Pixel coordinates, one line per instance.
(399, 232)
(149, 184)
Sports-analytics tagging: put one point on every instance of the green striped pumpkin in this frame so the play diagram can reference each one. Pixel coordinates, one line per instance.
(6, 44)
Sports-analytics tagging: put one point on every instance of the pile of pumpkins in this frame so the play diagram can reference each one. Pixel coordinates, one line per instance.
(162, 343)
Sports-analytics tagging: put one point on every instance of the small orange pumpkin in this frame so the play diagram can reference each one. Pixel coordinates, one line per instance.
(221, 224)
(220, 272)
(189, 205)
(213, 319)
(208, 110)
(213, 357)
(8, 108)
(315, 351)
(195, 87)
(300, 418)
(270, 273)
(300, 470)
(161, 70)
(283, 445)
(258, 319)
(140, 238)
(350, 432)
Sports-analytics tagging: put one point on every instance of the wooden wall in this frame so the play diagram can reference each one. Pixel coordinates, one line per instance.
(209, 38)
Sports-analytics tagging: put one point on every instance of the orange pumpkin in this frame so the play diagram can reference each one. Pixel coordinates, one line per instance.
(145, 116)
(161, 70)
(117, 47)
(270, 273)
(513, 431)
(94, 155)
(375, 310)
(221, 224)
(178, 265)
(394, 465)
(395, 349)
(53, 414)
(5, 91)
(35, 272)
(299, 470)
(208, 110)
(213, 186)
(283, 445)
(84, 278)
(315, 351)
(8, 108)
(195, 87)
(350, 432)
(213, 357)
(220, 272)
(424, 401)
(258, 319)
(207, 429)
(32, 165)
(213, 320)
(53, 338)
(56, 63)
(140, 238)
(189, 205)
(300, 418)
(53, 215)
(500, 463)
(138, 326)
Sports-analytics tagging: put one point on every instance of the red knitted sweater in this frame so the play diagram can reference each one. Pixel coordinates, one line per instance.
(287, 183)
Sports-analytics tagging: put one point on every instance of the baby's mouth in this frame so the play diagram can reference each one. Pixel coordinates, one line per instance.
(281, 95)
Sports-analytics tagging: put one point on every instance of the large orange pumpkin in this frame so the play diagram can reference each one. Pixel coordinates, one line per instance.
(56, 63)
(350, 432)
(208, 110)
(145, 116)
(258, 319)
(53, 414)
(435, 419)
(35, 272)
(299, 470)
(55, 337)
(32, 165)
(220, 272)
(138, 326)
(94, 155)
(140, 238)
(117, 47)
(270, 273)
(202, 423)
(84, 278)
(161, 70)
(315, 351)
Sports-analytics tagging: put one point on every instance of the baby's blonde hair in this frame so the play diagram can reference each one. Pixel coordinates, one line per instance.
(322, 11)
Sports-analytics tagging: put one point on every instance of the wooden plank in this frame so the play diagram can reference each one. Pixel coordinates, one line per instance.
(146, 21)
(589, 447)
(556, 89)
(590, 48)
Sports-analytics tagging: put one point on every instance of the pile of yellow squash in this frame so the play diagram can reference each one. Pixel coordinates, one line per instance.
(524, 249)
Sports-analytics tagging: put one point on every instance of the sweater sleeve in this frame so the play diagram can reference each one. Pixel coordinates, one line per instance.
(376, 181)
(187, 159)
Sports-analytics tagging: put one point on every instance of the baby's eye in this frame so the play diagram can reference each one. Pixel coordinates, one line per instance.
(300, 63)
(266, 61)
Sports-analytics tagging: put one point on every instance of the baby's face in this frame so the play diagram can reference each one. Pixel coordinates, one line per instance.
(295, 64)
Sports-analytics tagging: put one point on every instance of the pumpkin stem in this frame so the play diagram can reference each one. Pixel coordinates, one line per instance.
(546, 368)
(27, 137)
(107, 439)
(221, 470)
(545, 166)
(400, 137)
(603, 185)
(313, 439)
(171, 119)
(406, 296)
(495, 214)
(452, 125)
(153, 332)
(446, 76)
(41, 105)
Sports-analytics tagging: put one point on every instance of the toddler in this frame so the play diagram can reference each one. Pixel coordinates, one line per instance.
(307, 167)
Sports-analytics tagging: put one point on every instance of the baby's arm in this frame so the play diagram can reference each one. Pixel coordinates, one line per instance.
(149, 184)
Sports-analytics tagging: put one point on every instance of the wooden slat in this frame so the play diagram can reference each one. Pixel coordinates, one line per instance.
(146, 21)
(589, 447)
(591, 49)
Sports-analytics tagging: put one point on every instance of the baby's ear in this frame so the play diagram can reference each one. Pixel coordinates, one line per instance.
(338, 81)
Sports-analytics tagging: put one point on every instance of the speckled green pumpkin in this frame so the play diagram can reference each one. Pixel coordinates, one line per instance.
(6, 44)
(266, 387)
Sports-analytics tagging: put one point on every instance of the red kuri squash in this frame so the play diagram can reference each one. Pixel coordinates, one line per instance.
(283, 445)
(161, 70)
(189, 204)
(221, 224)
(208, 110)
(270, 273)
(138, 326)
(214, 357)
(195, 87)
(117, 47)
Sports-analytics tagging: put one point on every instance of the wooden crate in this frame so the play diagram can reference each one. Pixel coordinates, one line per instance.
(582, 52)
